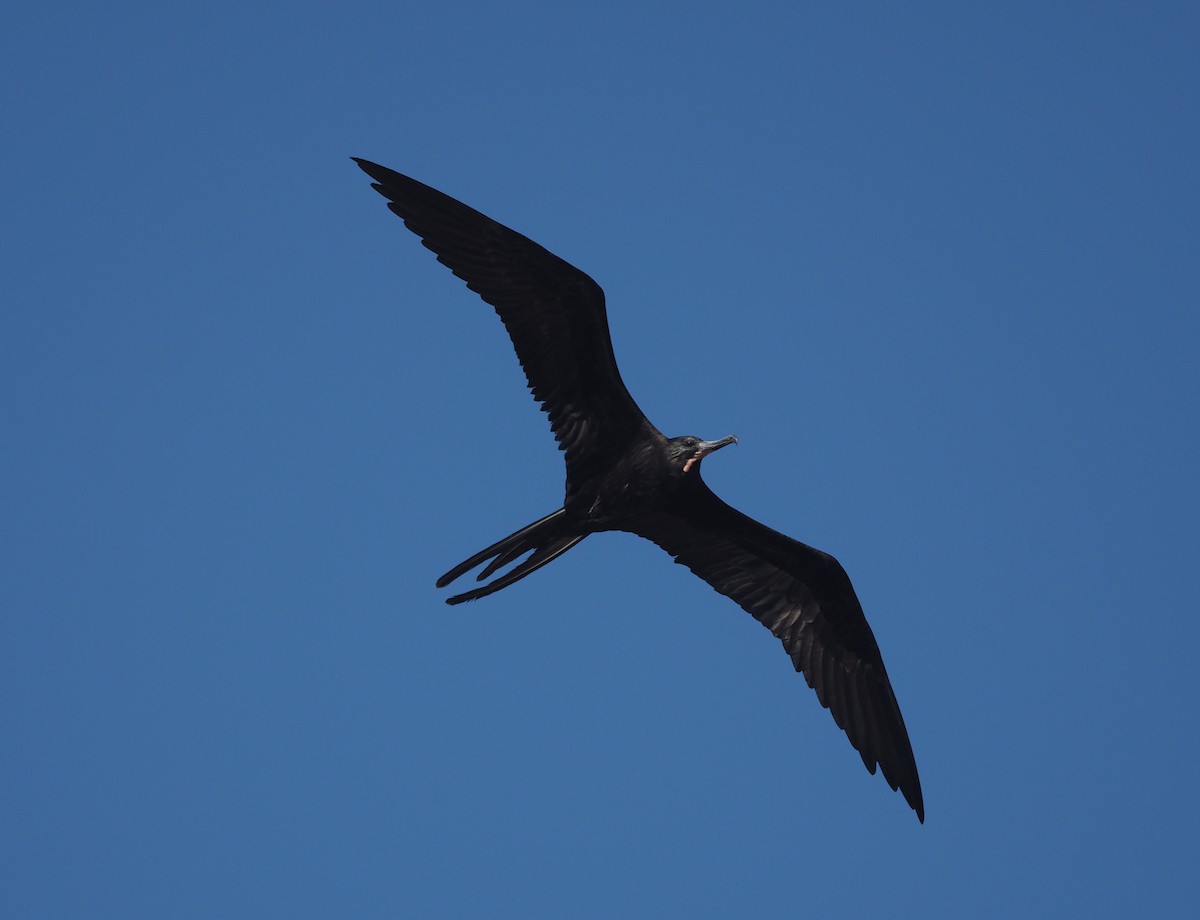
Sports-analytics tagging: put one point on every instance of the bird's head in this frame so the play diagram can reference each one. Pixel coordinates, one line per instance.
(687, 451)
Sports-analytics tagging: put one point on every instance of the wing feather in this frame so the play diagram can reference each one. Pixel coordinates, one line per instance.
(805, 598)
(554, 313)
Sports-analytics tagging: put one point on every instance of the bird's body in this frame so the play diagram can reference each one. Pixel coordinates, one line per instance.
(624, 474)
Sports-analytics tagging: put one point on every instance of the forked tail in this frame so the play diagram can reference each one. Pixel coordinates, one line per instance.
(548, 539)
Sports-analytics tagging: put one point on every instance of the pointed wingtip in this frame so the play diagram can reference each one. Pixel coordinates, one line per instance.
(911, 789)
(374, 170)
(919, 808)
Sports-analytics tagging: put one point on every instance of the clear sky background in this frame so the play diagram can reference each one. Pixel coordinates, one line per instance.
(935, 264)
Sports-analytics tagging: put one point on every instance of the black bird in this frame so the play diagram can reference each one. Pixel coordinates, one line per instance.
(623, 474)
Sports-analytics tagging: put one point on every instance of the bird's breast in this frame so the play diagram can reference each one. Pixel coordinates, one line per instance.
(634, 486)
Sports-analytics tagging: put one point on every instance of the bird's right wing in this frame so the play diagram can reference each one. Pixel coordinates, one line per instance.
(805, 598)
(554, 314)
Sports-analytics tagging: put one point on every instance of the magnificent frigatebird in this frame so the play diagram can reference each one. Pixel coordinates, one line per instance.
(623, 474)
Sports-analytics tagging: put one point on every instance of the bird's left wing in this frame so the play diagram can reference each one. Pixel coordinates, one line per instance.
(554, 314)
(805, 598)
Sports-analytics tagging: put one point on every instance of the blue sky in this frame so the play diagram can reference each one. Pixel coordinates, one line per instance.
(935, 264)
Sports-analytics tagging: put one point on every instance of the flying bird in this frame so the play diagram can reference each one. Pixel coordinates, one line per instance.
(623, 474)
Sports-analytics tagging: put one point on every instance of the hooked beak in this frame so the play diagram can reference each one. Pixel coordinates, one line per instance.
(704, 449)
(707, 447)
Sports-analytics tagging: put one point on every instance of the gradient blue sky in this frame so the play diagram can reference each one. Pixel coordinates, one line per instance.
(936, 264)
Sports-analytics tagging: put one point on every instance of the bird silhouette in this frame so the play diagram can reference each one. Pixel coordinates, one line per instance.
(625, 475)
